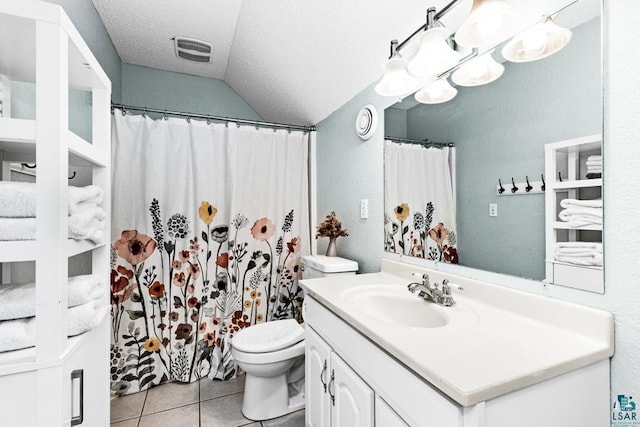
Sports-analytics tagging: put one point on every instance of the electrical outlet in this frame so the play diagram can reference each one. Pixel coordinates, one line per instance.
(493, 209)
(364, 208)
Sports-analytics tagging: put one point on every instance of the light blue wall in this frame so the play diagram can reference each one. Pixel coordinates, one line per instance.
(86, 19)
(350, 169)
(395, 122)
(148, 87)
(500, 130)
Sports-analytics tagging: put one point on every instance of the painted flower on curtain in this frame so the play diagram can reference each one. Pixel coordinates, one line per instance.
(419, 239)
(179, 297)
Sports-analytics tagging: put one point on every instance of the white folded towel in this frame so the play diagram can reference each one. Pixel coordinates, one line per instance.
(595, 203)
(594, 157)
(88, 224)
(594, 163)
(19, 300)
(579, 220)
(595, 260)
(18, 199)
(20, 333)
(577, 247)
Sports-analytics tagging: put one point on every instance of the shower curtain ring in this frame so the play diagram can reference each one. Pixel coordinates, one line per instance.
(144, 112)
(208, 120)
(165, 117)
(188, 119)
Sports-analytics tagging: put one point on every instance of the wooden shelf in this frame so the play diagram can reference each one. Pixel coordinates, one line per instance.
(561, 225)
(25, 250)
(581, 183)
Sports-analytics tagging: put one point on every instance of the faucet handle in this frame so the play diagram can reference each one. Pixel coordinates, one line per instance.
(424, 277)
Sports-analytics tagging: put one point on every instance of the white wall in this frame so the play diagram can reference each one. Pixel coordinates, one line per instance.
(350, 169)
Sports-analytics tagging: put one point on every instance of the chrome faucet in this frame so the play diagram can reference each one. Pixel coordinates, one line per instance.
(440, 295)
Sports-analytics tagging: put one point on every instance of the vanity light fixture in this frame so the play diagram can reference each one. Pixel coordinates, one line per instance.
(539, 41)
(478, 71)
(396, 81)
(436, 92)
(488, 23)
(434, 55)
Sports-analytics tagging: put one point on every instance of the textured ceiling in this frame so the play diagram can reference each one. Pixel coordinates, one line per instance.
(293, 61)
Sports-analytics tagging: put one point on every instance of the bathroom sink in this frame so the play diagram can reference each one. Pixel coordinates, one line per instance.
(395, 304)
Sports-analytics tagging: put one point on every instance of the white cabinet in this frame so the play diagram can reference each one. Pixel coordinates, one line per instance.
(42, 47)
(376, 390)
(340, 397)
(568, 179)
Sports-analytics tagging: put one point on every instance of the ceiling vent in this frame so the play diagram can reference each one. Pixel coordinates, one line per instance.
(193, 49)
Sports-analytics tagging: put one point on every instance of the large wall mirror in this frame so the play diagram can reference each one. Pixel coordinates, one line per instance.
(493, 132)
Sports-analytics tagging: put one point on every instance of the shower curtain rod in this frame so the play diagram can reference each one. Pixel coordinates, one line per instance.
(424, 142)
(208, 117)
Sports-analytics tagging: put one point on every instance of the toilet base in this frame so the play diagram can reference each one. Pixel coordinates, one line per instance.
(266, 398)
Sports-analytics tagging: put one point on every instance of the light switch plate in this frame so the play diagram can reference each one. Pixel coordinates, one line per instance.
(493, 209)
(364, 208)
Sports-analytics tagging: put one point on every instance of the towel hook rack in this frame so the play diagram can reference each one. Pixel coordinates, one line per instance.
(33, 166)
(560, 176)
(544, 186)
(501, 189)
(528, 187)
(513, 188)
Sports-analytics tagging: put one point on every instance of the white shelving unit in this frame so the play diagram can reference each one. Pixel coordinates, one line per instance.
(568, 158)
(61, 381)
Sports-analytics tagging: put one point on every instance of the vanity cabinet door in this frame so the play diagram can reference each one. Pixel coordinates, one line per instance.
(352, 398)
(387, 417)
(317, 371)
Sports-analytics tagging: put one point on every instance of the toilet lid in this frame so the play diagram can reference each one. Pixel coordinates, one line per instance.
(269, 336)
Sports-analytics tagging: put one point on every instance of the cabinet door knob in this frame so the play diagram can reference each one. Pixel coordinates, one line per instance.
(324, 369)
(332, 381)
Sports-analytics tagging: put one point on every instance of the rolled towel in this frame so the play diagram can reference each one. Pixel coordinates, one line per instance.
(19, 300)
(88, 224)
(20, 333)
(579, 220)
(595, 203)
(18, 199)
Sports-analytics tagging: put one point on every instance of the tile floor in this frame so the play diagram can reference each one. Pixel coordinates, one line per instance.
(204, 403)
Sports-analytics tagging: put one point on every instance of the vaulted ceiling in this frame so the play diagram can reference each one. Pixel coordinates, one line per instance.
(293, 61)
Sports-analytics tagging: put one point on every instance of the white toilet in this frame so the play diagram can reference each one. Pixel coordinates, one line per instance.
(272, 353)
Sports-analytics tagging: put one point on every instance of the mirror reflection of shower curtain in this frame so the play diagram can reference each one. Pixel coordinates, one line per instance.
(420, 201)
(209, 224)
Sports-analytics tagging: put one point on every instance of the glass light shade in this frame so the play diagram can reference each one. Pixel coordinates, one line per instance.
(539, 41)
(436, 93)
(489, 22)
(478, 71)
(435, 55)
(396, 81)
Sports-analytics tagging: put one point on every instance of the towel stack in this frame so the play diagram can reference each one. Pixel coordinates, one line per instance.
(594, 167)
(580, 213)
(578, 253)
(18, 212)
(87, 301)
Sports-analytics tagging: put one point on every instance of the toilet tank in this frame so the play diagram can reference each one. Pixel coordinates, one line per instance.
(316, 266)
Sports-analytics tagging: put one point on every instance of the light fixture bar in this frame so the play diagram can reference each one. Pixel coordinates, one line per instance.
(434, 17)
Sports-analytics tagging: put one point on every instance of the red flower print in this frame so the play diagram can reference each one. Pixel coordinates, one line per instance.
(209, 338)
(134, 247)
(192, 302)
(156, 289)
(223, 260)
(263, 229)
(450, 254)
(184, 256)
(203, 327)
(183, 331)
(176, 265)
(294, 245)
(179, 279)
(439, 233)
(194, 270)
(125, 272)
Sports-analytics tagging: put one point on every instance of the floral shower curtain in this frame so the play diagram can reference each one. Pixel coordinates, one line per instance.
(420, 213)
(209, 224)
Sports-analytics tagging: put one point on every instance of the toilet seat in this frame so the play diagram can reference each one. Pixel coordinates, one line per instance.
(268, 357)
(269, 336)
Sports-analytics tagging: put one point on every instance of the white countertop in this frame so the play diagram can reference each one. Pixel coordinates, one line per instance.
(498, 339)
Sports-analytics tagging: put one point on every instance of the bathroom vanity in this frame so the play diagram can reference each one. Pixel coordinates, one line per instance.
(377, 354)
